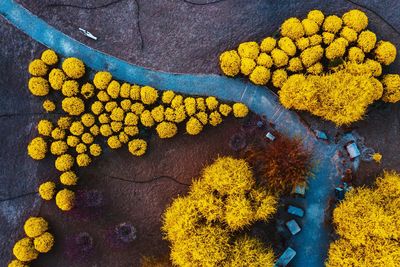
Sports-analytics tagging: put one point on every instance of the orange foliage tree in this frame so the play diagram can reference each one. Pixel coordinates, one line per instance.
(368, 223)
(281, 164)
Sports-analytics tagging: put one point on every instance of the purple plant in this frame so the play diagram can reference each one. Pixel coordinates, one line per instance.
(125, 232)
(79, 246)
(237, 142)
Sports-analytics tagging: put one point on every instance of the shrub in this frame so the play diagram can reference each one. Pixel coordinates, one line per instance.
(391, 92)
(87, 90)
(45, 127)
(167, 96)
(248, 50)
(37, 148)
(35, 226)
(102, 79)
(113, 89)
(65, 199)
(349, 34)
(260, 75)
(73, 67)
(83, 160)
(385, 52)
(137, 147)
(117, 114)
(240, 110)
(311, 55)
(177, 101)
(70, 88)
(37, 68)
(281, 165)
(265, 60)
(49, 105)
(193, 126)
(148, 95)
(24, 250)
(64, 162)
(279, 57)
(332, 24)
(44, 243)
(146, 119)
(72, 141)
(279, 77)
(317, 16)
(47, 190)
(58, 147)
(366, 41)
(229, 62)
(68, 178)
(135, 92)
(158, 113)
(38, 86)
(77, 128)
(58, 133)
(95, 150)
(49, 57)
(247, 65)
(292, 28)
(310, 27)
(190, 105)
(131, 130)
(113, 142)
(214, 118)
(268, 44)
(17, 263)
(74, 106)
(225, 109)
(166, 129)
(202, 226)
(56, 78)
(125, 90)
(367, 224)
(355, 19)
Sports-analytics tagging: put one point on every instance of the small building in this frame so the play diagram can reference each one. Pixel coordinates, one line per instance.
(353, 150)
(299, 189)
(270, 136)
(286, 257)
(321, 135)
(293, 227)
(299, 212)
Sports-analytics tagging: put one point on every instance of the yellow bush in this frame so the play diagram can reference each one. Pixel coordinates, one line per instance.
(87, 138)
(97, 107)
(146, 119)
(332, 24)
(295, 65)
(35, 226)
(65, 199)
(74, 106)
(123, 137)
(311, 55)
(134, 93)
(158, 113)
(109, 106)
(201, 104)
(317, 16)
(24, 250)
(37, 148)
(367, 223)
(131, 130)
(49, 105)
(125, 90)
(167, 96)
(113, 142)
(265, 60)
(193, 126)
(267, 44)
(240, 110)
(131, 119)
(88, 119)
(17, 263)
(83, 160)
(316, 69)
(391, 92)
(44, 243)
(279, 57)
(247, 66)
(310, 26)
(95, 130)
(95, 150)
(203, 117)
(117, 114)
(315, 39)
(302, 43)
(190, 105)
(58, 147)
(103, 96)
(77, 128)
(229, 62)
(137, 147)
(349, 34)
(47, 190)
(126, 104)
(249, 50)
(56, 78)
(64, 162)
(377, 157)
(68, 178)
(113, 89)
(328, 37)
(72, 141)
(58, 133)
(385, 52)
(292, 28)
(73, 67)
(366, 41)
(49, 57)
(64, 122)
(260, 75)
(38, 86)
(355, 19)
(225, 109)
(212, 103)
(177, 101)
(45, 127)
(102, 79)
(180, 114)
(215, 118)
(116, 126)
(287, 45)
(148, 95)
(37, 68)
(70, 88)
(81, 148)
(356, 54)
(279, 77)
(103, 118)
(251, 252)
(336, 49)
(374, 66)
(166, 129)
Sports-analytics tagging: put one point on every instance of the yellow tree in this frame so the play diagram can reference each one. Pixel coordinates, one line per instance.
(368, 223)
(203, 226)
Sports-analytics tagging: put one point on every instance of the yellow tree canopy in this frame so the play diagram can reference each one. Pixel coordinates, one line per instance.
(368, 223)
(203, 226)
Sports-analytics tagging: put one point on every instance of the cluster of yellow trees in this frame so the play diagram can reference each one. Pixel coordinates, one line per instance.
(204, 226)
(108, 109)
(315, 46)
(368, 223)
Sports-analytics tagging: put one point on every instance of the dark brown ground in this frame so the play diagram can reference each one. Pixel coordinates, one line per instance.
(182, 158)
